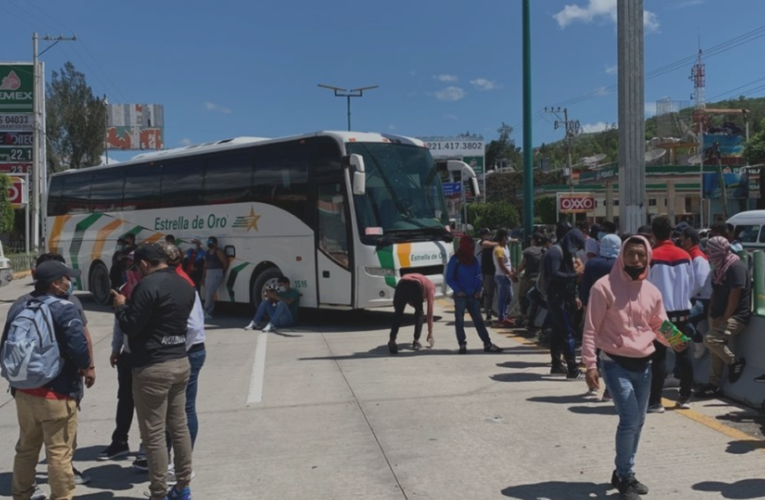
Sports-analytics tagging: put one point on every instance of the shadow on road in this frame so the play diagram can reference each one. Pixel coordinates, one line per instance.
(745, 446)
(558, 490)
(744, 489)
(521, 365)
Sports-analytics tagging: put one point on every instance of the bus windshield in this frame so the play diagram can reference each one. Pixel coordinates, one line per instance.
(403, 191)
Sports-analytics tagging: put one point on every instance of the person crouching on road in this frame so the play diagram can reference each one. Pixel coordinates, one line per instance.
(623, 318)
(463, 275)
(155, 323)
(412, 289)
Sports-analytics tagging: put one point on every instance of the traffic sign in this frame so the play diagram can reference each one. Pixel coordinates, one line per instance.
(452, 189)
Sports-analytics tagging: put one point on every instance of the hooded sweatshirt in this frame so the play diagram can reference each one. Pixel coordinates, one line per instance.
(558, 266)
(623, 316)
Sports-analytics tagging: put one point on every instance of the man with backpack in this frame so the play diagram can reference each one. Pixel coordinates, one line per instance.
(43, 355)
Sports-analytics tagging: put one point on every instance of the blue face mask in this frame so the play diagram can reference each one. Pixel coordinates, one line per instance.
(601, 235)
(210, 243)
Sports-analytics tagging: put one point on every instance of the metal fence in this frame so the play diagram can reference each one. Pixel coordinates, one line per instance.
(21, 261)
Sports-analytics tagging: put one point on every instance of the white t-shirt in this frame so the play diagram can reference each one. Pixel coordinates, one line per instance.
(502, 254)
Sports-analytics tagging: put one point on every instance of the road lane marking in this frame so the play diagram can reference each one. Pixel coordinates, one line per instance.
(258, 371)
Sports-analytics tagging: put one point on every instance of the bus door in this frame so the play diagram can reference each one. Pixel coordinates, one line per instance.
(333, 255)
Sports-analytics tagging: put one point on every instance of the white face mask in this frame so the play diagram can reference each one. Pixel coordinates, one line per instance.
(281, 288)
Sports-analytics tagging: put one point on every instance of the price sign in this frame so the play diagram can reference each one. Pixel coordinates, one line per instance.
(15, 154)
(15, 168)
(17, 121)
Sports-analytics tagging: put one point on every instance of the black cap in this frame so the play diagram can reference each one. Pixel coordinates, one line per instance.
(692, 235)
(680, 228)
(484, 232)
(645, 231)
(53, 270)
(150, 252)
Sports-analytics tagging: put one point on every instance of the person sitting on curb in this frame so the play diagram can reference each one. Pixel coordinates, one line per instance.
(280, 307)
(412, 289)
(463, 275)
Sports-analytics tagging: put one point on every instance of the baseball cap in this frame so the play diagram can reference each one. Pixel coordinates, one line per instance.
(691, 234)
(150, 252)
(53, 270)
(680, 228)
(645, 230)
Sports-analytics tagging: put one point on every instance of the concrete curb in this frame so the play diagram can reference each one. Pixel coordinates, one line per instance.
(22, 274)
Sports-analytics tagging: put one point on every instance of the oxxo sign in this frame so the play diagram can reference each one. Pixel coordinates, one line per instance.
(576, 204)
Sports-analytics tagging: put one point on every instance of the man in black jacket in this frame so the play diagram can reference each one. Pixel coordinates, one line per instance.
(51, 411)
(155, 323)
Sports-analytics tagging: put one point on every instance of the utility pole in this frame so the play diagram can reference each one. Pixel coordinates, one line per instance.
(632, 210)
(341, 92)
(39, 163)
(528, 148)
(572, 128)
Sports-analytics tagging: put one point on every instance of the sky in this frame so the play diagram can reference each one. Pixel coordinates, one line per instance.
(231, 68)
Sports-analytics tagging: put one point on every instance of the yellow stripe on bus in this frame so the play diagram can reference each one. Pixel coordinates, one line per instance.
(103, 233)
(404, 251)
(55, 234)
(154, 237)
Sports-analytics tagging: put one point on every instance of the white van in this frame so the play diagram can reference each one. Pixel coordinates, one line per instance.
(750, 229)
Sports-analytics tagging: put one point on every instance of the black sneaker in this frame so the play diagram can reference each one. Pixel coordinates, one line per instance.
(637, 486)
(113, 451)
(463, 349)
(575, 375)
(707, 391)
(760, 379)
(416, 345)
(392, 347)
(558, 370)
(735, 370)
(141, 464)
(492, 348)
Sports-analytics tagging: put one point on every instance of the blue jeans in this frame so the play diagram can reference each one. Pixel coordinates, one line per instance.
(197, 361)
(630, 391)
(504, 296)
(279, 314)
(473, 307)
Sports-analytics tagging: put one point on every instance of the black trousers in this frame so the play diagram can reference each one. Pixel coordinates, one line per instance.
(407, 292)
(659, 367)
(125, 405)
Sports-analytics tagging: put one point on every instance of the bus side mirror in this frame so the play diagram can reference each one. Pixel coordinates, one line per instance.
(474, 187)
(359, 183)
(359, 174)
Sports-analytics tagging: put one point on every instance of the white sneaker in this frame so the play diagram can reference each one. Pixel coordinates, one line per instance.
(171, 479)
(592, 393)
(658, 408)
(269, 328)
(38, 494)
(699, 349)
(250, 326)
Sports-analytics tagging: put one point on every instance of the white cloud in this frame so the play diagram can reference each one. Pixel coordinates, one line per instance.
(590, 128)
(209, 106)
(690, 3)
(484, 84)
(597, 10)
(186, 142)
(612, 70)
(450, 93)
(391, 127)
(450, 116)
(446, 78)
(650, 109)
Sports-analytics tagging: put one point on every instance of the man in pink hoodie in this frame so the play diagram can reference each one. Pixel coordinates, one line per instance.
(623, 318)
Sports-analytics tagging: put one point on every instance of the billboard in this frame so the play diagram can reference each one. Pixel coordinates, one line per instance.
(135, 126)
(575, 203)
(16, 88)
(455, 147)
(739, 184)
(729, 149)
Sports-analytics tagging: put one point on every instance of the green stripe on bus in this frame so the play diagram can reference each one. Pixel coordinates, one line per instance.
(134, 231)
(385, 255)
(232, 279)
(79, 233)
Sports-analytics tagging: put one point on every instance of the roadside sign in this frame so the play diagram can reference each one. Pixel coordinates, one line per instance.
(18, 194)
(575, 203)
(17, 121)
(15, 154)
(475, 162)
(452, 189)
(16, 88)
(16, 139)
(15, 168)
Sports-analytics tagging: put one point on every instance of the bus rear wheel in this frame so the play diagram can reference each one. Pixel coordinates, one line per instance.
(266, 280)
(99, 283)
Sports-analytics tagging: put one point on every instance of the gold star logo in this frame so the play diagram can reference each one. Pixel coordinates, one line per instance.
(248, 221)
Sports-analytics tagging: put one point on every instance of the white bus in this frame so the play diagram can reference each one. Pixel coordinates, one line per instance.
(343, 214)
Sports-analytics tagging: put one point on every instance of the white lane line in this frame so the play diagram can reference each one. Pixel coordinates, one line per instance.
(258, 371)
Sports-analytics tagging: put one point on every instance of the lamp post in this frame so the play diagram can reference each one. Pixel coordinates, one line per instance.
(348, 93)
(528, 149)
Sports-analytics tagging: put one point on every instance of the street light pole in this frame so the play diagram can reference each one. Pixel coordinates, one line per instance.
(348, 93)
(528, 149)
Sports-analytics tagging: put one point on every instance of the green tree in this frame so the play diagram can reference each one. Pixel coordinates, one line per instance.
(544, 210)
(7, 214)
(75, 121)
(755, 147)
(503, 148)
(493, 215)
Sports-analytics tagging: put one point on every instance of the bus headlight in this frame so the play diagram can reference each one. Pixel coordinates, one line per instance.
(379, 271)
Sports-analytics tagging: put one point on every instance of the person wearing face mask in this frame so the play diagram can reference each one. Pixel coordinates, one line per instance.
(51, 410)
(116, 273)
(280, 307)
(194, 262)
(216, 265)
(623, 318)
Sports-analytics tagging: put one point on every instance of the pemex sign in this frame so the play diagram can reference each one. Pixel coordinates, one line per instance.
(16, 88)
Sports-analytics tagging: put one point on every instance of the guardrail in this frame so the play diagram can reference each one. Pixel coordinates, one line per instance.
(21, 262)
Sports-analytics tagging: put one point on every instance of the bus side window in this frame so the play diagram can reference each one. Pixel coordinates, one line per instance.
(76, 195)
(141, 189)
(106, 194)
(182, 182)
(228, 178)
(333, 237)
(56, 205)
(281, 177)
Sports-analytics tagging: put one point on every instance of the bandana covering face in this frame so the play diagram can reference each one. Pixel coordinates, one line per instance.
(466, 252)
(720, 256)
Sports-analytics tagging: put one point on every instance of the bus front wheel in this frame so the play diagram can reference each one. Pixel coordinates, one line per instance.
(266, 280)
(99, 283)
